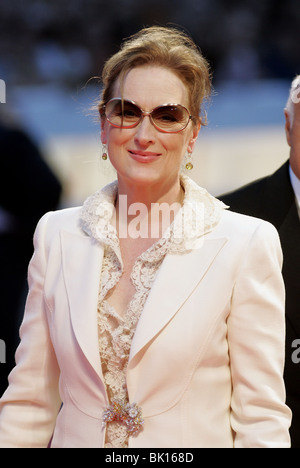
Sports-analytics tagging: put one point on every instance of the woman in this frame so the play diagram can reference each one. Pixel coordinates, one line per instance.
(155, 317)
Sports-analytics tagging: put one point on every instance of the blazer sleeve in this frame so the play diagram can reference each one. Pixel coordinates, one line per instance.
(29, 407)
(256, 335)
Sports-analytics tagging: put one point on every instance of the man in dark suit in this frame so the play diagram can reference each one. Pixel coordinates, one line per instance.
(276, 198)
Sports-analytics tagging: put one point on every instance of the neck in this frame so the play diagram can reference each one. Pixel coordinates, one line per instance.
(149, 210)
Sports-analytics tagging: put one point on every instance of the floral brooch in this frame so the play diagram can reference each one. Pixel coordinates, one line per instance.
(126, 413)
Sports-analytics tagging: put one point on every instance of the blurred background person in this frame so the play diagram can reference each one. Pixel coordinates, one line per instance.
(28, 188)
(276, 198)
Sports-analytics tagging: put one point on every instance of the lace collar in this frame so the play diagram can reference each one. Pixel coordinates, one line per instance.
(199, 214)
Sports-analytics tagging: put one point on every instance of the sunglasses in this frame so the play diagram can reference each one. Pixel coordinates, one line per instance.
(168, 118)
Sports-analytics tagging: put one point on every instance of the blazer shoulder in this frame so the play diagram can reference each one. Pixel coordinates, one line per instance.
(65, 219)
(240, 226)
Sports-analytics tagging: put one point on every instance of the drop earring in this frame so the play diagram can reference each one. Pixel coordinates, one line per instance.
(104, 153)
(189, 165)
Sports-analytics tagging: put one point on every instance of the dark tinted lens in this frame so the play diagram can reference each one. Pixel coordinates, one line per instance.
(170, 118)
(122, 114)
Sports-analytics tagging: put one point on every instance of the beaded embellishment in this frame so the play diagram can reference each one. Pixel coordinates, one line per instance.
(128, 414)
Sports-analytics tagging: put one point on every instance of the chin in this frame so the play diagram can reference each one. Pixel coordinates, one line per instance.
(143, 175)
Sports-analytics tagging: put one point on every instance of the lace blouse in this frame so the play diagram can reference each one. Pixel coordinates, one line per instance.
(199, 213)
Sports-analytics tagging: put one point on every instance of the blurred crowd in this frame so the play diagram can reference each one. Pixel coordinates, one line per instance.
(68, 41)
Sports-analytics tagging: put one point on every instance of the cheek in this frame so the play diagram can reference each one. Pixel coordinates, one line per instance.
(176, 154)
(179, 145)
(294, 136)
(114, 137)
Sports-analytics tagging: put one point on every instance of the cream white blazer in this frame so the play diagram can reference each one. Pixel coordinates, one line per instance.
(206, 360)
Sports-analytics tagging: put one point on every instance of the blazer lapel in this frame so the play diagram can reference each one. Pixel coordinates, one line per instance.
(176, 279)
(277, 196)
(82, 260)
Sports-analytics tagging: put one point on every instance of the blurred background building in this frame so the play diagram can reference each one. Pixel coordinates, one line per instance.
(49, 50)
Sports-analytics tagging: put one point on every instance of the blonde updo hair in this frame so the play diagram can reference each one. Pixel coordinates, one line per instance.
(162, 46)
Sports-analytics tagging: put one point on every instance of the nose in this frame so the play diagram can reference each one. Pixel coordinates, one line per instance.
(144, 134)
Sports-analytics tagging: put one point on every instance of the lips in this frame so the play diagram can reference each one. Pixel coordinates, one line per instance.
(144, 156)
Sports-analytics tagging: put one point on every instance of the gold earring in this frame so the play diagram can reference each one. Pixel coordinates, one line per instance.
(104, 153)
(189, 165)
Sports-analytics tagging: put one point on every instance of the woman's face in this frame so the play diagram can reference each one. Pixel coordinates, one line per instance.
(143, 154)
